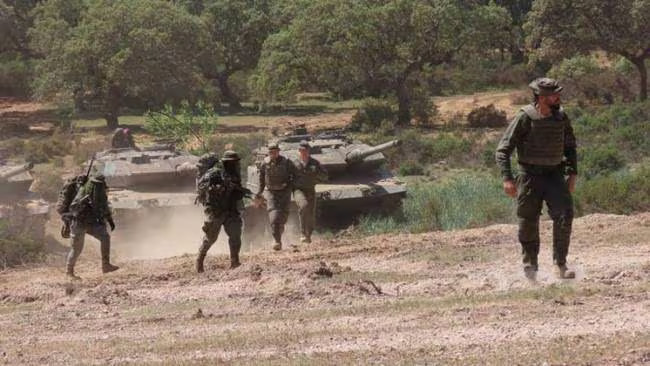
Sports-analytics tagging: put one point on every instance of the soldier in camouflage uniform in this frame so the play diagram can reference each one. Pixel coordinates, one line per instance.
(276, 178)
(309, 173)
(221, 193)
(90, 213)
(546, 149)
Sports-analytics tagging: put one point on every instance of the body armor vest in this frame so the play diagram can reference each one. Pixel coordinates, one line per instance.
(543, 144)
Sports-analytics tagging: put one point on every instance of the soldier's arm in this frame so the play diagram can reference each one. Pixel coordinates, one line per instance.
(511, 138)
(570, 149)
(322, 175)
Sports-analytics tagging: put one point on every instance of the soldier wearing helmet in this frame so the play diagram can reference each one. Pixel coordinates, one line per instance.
(90, 213)
(220, 192)
(275, 183)
(542, 135)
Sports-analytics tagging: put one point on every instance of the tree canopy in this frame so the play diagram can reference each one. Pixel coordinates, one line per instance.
(558, 28)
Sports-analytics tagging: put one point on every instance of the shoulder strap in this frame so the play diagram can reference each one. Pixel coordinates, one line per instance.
(531, 112)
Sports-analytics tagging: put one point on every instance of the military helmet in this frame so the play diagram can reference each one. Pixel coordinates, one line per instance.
(230, 155)
(273, 146)
(545, 86)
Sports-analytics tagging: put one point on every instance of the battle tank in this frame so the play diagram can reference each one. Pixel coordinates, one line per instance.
(357, 182)
(151, 192)
(20, 207)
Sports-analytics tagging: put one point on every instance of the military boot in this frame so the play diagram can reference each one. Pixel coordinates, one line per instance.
(71, 275)
(277, 236)
(199, 263)
(305, 239)
(234, 256)
(530, 266)
(106, 255)
(564, 272)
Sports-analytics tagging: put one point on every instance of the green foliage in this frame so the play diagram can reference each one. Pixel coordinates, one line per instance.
(15, 77)
(600, 160)
(105, 54)
(188, 124)
(465, 201)
(369, 48)
(411, 168)
(487, 116)
(242, 144)
(425, 149)
(47, 183)
(623, 192)
(38, 150)
(371, 114)
(616, 26)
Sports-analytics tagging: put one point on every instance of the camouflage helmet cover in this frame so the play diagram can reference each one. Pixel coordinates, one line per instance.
(230, 155)
(304, 144)
(545, 86)
(273, 146)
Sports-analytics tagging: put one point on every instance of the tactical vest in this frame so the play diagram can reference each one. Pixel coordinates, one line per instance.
(276, 173)
(543, 144)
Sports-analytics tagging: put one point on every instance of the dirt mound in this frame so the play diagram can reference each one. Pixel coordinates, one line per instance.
(442, 297)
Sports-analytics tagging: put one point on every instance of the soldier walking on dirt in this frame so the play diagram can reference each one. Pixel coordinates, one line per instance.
(546, 149)
(309, 173)
(276, 178)
(90, 213)
(221, 193)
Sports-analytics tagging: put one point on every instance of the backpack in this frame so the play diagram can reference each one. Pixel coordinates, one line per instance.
(210, 187)
(206, 162)
(68, 192)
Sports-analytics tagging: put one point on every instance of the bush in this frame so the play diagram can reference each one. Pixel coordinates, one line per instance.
(18, 244)
(600, 160)
(619, 193)
(41, 151)
(15, 77)
(371, 114)
(487, 116)
(465, 201)
(47, 183)
(411, 168)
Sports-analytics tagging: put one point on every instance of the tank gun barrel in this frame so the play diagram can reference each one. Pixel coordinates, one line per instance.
(15, 171)
(357, 155)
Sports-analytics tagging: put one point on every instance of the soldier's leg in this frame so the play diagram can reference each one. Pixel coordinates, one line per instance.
(211, 228)
(560, 208)
(302, 201)
(100, 233)
(310, 219)
(529, 207)
(274, 207)
(77, 234)
(233, 227)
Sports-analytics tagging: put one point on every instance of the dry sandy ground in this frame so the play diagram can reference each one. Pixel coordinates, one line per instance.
(432, 298)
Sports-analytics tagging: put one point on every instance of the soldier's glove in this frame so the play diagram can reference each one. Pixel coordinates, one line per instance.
(111, 223)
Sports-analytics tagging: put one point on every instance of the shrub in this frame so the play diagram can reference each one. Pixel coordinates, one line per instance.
(371, 114)
(41, 151)
(600, 160)
(47, 183)
(15, 77)
(619, 193)
(411, 168)
(18, 244)
(487, 116)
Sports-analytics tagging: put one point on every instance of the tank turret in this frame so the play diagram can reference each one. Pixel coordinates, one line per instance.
(358, 155)
(15, 170)
(17, 203)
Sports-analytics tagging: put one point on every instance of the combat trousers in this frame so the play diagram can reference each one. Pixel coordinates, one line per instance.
(306, 201)
(78, 231)
(232, 224)
(277, 205)
(533, 190)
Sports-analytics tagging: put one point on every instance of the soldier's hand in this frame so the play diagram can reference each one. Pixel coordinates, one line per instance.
(111, 223)
(510, 188)
(571, 182)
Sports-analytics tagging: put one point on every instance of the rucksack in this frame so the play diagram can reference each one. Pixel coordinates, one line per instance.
(68, 192)
(210, 187)
(206, 162)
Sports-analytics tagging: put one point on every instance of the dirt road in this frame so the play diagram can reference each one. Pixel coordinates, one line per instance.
(433, 298)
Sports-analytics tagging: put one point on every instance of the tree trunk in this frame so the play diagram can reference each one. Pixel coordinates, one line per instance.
(113, 103)
(230, 97)
(404, 104)
(643, 79)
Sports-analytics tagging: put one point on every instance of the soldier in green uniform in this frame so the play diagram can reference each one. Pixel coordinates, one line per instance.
(275, 183)
(309, 173)
(220, 192)
(90, 212)
(546, 149)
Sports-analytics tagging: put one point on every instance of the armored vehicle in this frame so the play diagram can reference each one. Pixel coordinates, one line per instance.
(151, 192)
(357, 181)
(21, 208)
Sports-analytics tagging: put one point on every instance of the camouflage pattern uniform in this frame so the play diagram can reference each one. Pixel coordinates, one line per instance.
(223, 194)
(308, 174)
(122, 139)
(546, 150)
(90, 213)
(276, 178)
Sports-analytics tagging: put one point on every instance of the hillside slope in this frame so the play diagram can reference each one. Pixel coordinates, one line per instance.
(433, 298)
